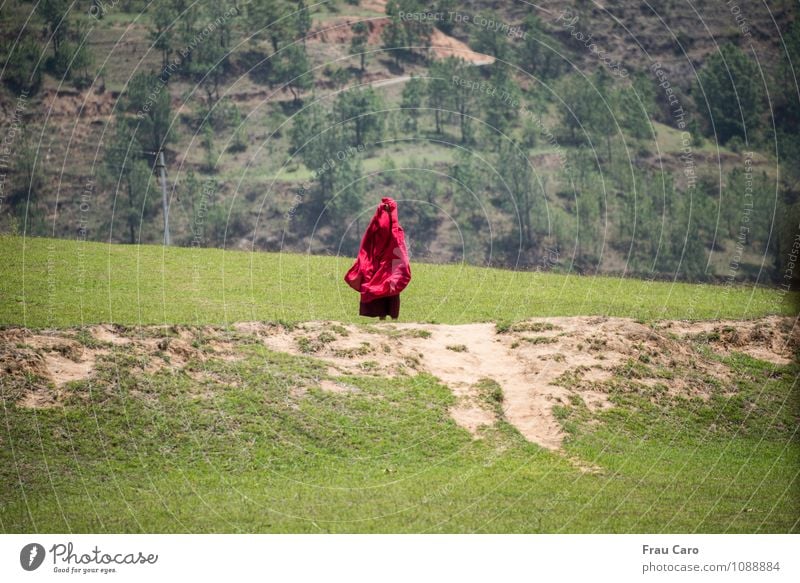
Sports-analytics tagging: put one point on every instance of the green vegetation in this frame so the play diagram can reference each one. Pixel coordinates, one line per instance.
(743, 420)
(729, 86)
(49, 282)
(255, 445)
(543, 153)
(491, 393)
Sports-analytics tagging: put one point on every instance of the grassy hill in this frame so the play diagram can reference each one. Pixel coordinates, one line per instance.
(57, 283)
(205, 426)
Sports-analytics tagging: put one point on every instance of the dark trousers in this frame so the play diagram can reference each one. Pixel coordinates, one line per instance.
(382, 307)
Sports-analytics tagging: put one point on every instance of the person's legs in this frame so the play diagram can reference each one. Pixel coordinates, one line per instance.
(393, 306)
(381, 307)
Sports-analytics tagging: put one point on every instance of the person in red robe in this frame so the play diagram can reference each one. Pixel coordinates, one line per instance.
(381, 270)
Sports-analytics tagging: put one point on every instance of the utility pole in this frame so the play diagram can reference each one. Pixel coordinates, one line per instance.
(162, 167)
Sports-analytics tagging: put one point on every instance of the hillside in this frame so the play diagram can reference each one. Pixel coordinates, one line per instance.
(259, 404)
(54, 283)
(583, 174)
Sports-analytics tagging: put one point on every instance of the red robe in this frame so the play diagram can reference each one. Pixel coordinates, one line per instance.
(381, 269)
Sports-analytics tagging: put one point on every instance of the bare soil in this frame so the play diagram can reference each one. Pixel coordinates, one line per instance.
(339, 31)
(537, 364)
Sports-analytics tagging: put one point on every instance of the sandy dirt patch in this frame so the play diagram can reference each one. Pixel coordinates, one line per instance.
(339, 31)
(538, 364)
(38, 366)
(535, 365)
(772, 338)
(444, 46)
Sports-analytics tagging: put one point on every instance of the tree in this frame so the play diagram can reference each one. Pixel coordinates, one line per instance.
(580, 105)
(636, 107)
(469, 184)
(192, 191)
(148, 98)
(788, 217)
(534, 56)
(502, 103)
(440, 93)
(729, 80)
(420, 217)
(411, 104)
(348, 192)
(314, 138)
(71, 56)
(589, 225)
(786, 107)
(55, 15)
(302, 20)
(323, 145)
(516, 182)
(767, 205)
(22, 70)
(80, 58)
(689, 223)
(239, 139)
(784, 90)
(211, 57)
(270, 19)
(188, 31)
(603, 124)
(418, 30)
(358, 44)
(307, 124)
(359, 110)
(445, 7)
(401, 34)
(293, 71)
(29, 183)
(129, 176)
(488, 39)
(27, 189)
(162, 33)
(393, 35)
(140, 206)
(210, 147)
(207, 68)
(464, 99)
(732, 202)
(687, 236)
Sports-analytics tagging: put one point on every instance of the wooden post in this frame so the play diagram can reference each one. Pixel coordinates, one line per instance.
(162, 172)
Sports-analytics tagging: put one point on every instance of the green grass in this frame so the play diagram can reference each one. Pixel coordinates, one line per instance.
(256, 445)
(373, 159)
(245, 452)
(56, 283)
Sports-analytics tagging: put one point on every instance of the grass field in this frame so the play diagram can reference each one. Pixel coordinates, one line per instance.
(257, 446)
(56, 283)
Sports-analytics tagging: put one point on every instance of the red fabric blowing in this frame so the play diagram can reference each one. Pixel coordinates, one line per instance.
(382, 267)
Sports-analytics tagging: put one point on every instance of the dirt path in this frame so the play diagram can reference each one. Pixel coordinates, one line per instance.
(538, 364)
(527, 395)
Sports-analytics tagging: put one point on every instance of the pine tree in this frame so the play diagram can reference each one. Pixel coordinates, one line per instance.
(411, 104)
(727, 92)
(358, 44)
